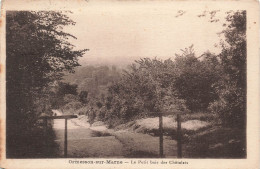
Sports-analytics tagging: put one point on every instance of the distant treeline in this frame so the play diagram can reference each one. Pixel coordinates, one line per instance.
(93, 79)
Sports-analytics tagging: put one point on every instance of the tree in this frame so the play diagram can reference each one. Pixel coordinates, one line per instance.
(145, 90)
(38, 52)
(194, 78)
(231, 105)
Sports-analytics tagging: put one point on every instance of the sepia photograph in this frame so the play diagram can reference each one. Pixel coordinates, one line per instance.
(127, 80)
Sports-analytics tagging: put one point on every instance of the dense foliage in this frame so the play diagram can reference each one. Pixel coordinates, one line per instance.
(208, 83)
(152, 86)
(231, 89)
(38, 51)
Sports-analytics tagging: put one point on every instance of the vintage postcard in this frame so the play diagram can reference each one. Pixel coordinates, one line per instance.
(129, 84)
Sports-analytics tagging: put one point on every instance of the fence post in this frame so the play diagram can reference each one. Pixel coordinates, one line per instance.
(161, 135)
(65, 139)
(66, 117)
(45, 132)
(179, 137)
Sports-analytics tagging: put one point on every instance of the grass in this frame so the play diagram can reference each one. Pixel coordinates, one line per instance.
(151, 126)
(217, 142)
(137, 145)
(203, 137)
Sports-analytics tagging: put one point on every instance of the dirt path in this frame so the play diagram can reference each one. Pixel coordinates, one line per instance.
(86, 141)
(82, 141)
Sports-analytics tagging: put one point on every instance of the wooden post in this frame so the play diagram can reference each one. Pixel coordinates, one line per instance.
(66, 117)
(161, 135)
(45, 124)
(45, 131)
(179, 137)
(65, 139)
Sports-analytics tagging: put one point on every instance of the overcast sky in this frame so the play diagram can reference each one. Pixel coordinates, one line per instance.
(119, 34)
